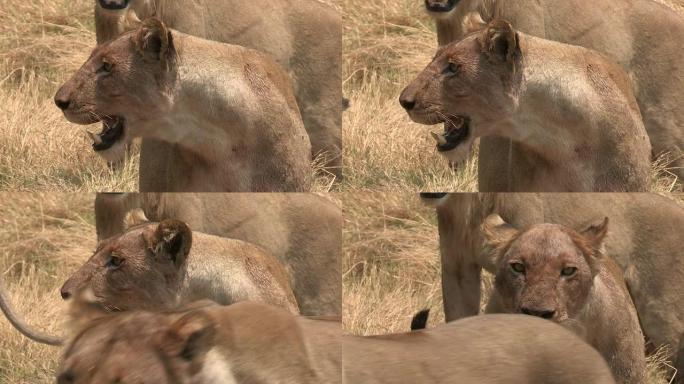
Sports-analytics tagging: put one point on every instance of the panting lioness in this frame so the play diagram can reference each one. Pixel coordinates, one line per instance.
(641, 35)
(644, 239)
(303, 36)
(304, 231)
(570, 111)
(228, 113)
(207, 344)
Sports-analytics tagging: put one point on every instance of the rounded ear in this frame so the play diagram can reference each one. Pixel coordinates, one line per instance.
(171, 240)
(497, 234)
(190, 337)
(135, 217)
(500, 42)
(472, 22)
(595, 233)
(154, 41)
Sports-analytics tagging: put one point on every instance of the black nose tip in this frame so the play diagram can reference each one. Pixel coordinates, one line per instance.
(544, 314)
(65, 294)
(407, 104)
(62, 103)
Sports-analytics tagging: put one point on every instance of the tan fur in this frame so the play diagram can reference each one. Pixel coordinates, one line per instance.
(303, 231)
(569, 110)
(303, 36)
(644, 240)
(250, 342)
(485, 349)
(640, 35)
(564, 277)
(164, 265)
(227, 113)
(241, 343)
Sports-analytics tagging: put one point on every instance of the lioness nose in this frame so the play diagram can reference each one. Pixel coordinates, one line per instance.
(407, 103)
(62, 101)
(543, 313)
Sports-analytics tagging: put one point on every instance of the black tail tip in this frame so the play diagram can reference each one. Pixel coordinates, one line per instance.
(345, 104)
(420, 320)
(432, 195)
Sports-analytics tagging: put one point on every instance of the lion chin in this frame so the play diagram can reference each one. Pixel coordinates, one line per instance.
(459, 154)
(115, 156)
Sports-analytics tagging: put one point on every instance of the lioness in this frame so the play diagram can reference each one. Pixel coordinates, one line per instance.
(556, 273)
(645, 241)
(241, 343)
(164, 265)
(304, 231)
(249, 343)
(640, 35)
(227, 112)
(575, 122)
(303, 36)
(484, 349)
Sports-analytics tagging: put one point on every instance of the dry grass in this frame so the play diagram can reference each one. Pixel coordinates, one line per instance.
(43, 237)
(386, 43)
(42, 42)
(392, 270)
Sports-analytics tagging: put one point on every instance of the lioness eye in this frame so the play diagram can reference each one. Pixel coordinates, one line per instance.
(114, 262)
(568, 271)
(453, 68)
(106, 67)
(518, 267)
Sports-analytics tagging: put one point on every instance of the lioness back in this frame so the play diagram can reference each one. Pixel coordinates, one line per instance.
(483, 349)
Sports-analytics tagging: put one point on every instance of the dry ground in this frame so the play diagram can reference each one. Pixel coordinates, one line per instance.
(391, 267)
(43, 238)
(386, 43)
(42, 42)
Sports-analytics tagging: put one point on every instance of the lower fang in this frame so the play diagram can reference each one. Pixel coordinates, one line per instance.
(95, 137)
(439, 138)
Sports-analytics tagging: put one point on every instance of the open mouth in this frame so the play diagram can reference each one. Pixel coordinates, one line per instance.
(440, 6)
(112, 131)
(456, 131)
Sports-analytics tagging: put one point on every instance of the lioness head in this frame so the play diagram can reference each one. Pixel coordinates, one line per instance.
(546, 270)
(124, 82)
(137, 347)
(141, 268)
(467, 87)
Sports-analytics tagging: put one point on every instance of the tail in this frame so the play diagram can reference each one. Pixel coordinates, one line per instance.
(420, 320)
(345, 104)
(20, 325)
